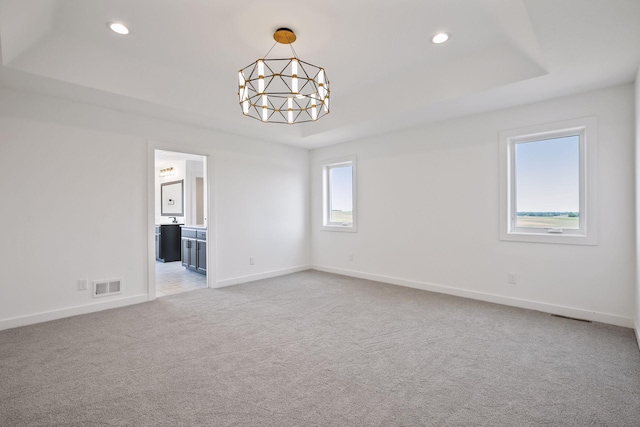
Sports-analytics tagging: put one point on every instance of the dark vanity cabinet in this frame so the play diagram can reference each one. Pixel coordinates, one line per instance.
(168, 242)
(194, 249)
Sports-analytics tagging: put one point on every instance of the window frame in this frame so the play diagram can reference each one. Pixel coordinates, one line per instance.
(327, 165)
(587, 234)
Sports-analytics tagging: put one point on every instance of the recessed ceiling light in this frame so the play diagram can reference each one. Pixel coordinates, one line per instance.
(119, 28)
(440, 38)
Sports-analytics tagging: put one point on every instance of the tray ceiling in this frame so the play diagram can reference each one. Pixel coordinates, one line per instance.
(181, 59)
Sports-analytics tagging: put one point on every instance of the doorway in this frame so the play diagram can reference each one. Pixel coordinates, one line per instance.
(180, 222)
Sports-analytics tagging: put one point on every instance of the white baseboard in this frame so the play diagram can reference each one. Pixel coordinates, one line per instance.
(577, 313)
(637, 329)
(265, 275)
(481, 296)
(71, 311)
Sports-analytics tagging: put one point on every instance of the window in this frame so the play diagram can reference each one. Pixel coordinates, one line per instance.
(339, 195)
(548, 183)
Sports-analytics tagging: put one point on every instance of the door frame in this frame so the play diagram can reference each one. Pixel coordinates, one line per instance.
(208, 169)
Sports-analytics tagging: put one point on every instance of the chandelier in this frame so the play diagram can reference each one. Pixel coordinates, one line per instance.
(283, 90)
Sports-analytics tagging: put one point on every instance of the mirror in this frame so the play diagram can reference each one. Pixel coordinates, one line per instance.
(171, 196)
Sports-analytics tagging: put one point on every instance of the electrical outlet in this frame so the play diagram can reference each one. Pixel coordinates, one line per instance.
(83, 284)
(350, 257)
(252, 260)
(512, 278)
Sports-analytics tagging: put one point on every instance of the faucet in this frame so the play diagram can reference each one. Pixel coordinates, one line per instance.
(175, 219)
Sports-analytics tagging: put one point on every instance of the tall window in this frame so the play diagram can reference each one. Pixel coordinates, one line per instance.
(339, 213)
(548, 183)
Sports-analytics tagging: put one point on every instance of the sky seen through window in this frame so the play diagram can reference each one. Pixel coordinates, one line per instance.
(548, 175)
(340, 183)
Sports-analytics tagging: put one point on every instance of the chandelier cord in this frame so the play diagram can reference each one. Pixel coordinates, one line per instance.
(295, 55)
(274, 45)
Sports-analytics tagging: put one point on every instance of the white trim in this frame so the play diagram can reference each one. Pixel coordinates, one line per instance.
(587, 128)
(637, 330)
(151, 221)
(265, 275)
(481, 296)
(577, 313)
(209, 219)
(343, 228)
(70, 311)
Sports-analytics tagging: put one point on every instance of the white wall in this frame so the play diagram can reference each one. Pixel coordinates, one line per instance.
(265, 215)
(428, 201)
(75, 200)
(195, 169)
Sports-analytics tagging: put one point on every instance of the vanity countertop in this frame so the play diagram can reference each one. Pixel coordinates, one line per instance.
(198, 227)
(168, 223)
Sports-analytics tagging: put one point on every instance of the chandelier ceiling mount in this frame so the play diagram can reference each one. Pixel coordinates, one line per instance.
(284, 36)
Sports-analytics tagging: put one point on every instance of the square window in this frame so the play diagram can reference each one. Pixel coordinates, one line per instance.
(548, 183)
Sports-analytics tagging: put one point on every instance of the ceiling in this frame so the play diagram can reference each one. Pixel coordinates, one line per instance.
(181, 59)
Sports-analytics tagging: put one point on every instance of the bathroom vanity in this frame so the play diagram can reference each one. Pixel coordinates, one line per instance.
(167, 242)
(194, 248)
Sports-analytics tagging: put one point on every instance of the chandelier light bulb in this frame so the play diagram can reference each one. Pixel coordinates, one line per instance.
(290, 110)
(321, 89)
(265, 110)
(245, 106)
(294, 76)
(260, 77)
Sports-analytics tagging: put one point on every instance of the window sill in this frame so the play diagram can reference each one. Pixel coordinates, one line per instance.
(341, 228)
(567, 239)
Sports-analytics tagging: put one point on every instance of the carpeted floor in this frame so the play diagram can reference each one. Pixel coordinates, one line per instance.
(317, 349)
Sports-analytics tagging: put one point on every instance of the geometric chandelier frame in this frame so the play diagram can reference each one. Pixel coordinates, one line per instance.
(285, 90)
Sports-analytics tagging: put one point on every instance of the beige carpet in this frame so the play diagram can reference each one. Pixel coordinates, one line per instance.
(316, 349)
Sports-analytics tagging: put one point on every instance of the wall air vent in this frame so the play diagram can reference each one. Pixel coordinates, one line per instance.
(105, 288)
